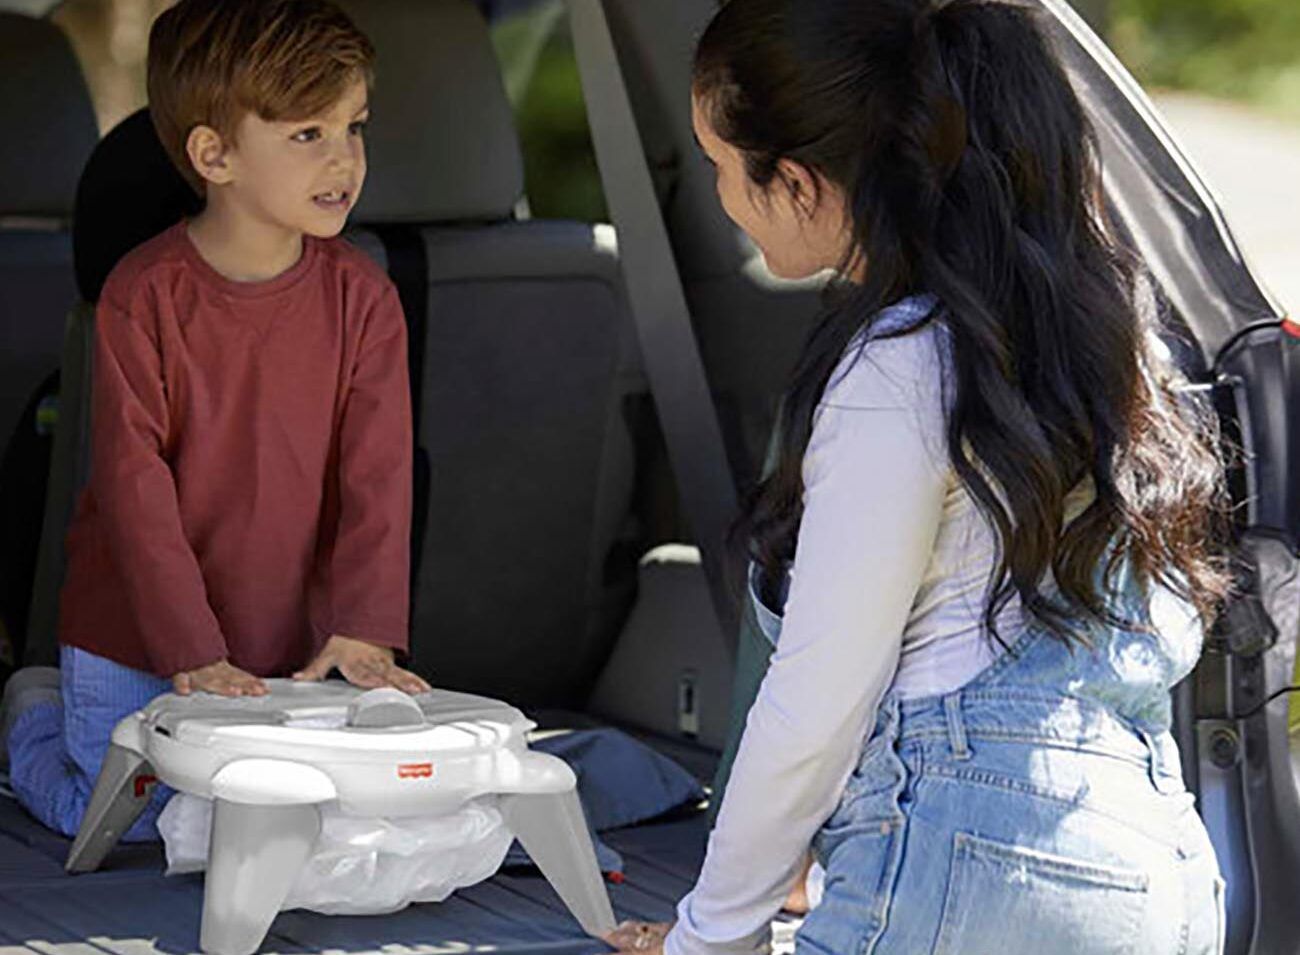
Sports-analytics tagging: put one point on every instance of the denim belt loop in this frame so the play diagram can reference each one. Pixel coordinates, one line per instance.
(1165, 768)
(956, 728)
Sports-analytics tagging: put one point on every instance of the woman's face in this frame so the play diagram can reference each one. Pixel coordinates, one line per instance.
(800, 229)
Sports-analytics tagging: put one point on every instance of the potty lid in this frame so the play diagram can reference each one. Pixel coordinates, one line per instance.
(335, 717)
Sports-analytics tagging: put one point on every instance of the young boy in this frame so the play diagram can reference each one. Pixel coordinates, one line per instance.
(248, 508)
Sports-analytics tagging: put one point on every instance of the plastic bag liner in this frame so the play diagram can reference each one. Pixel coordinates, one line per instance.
(364, 866)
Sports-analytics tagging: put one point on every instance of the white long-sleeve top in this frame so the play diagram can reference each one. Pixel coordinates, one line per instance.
(887, 588)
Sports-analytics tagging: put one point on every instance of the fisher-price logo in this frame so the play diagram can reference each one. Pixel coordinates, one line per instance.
(415, 770)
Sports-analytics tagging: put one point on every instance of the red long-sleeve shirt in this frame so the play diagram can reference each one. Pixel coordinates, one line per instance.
(250, 485)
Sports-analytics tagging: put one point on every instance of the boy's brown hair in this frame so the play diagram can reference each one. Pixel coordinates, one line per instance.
(212, 61)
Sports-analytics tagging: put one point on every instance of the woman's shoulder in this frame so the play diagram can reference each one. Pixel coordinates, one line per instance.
(898, 361)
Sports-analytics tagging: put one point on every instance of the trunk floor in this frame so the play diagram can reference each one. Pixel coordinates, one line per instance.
(130, 908)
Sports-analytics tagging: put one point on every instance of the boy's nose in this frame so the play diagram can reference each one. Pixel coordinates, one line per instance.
(342, 156)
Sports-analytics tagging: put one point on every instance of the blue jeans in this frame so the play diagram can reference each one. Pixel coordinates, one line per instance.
(1040, 808)
(55, 750)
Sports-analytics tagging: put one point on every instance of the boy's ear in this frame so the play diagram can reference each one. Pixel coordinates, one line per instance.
(209, 155)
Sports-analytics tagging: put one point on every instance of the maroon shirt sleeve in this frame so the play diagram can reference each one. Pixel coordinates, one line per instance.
(136, 492)
(367, 591)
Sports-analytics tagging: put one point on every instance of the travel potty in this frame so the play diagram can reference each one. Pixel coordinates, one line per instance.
(268, 763)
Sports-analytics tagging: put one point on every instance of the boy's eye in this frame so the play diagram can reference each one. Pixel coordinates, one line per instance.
(311, 134)
(359, 127)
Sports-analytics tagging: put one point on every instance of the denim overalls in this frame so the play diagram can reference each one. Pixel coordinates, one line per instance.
(1040, 808)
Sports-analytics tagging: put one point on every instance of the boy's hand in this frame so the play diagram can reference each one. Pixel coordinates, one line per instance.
(362, 664)
(220, 678)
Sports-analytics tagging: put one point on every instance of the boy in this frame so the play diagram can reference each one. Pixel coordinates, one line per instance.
(248, 509)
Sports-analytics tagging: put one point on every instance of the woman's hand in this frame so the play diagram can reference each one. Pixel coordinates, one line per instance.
(647, 938)
(362, 664)
(221, 678)
(797, 902)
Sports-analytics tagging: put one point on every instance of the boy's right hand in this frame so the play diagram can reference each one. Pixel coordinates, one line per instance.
(220, 678)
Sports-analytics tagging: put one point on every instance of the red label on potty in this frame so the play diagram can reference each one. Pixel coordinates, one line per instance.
(414, 770)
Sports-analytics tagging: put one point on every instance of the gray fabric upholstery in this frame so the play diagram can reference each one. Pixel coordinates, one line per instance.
(49, 128)
(69, 468)
(750, 327)
(671, 641)
(36, 289)
(47, 118)
(519, 593)
(442, 143)
(660, 39)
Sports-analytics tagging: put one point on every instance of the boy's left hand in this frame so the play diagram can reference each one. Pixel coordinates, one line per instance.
(362, 664)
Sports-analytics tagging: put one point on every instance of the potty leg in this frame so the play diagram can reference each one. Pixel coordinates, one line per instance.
(256, 854)
(554, 831)
(121, 793)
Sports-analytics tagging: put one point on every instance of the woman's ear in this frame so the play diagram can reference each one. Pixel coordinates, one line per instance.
(209, 155)
(801, 185)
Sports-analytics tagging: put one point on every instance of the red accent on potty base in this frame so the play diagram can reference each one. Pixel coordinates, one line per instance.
(415, 771)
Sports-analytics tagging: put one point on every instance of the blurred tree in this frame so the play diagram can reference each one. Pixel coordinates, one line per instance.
(1242, 49)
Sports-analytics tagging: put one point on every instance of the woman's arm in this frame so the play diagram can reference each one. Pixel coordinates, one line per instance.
(874, 491)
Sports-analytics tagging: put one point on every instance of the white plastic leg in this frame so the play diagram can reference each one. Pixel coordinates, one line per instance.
(552, 828)
(121, 793)
(256, 854)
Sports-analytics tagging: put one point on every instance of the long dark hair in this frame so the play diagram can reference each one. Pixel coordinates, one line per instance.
(971, 172)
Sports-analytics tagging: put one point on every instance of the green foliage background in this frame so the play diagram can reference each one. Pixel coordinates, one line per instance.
(1240, 49)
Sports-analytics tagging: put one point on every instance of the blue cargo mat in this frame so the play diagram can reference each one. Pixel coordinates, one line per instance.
(130, 908)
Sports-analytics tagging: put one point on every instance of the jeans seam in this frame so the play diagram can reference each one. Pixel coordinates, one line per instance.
(1047, 741)
(1005, 784)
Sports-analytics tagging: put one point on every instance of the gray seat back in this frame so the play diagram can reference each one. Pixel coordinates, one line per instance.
(49, 123)
(524, 368)
(50, 129)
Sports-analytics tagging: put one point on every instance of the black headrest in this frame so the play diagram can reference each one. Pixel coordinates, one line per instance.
(129, 192)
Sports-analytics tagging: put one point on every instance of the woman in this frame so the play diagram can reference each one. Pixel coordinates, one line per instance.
(983, 551)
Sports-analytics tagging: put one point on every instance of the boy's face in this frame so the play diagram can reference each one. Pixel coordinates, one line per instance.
(301, 175)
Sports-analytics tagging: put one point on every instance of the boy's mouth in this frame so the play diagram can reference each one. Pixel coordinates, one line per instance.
(333, 200)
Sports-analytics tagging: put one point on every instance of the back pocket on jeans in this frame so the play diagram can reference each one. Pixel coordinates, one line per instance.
(1003, 899)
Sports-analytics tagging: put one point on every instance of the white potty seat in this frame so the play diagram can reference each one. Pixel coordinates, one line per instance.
(269, 762)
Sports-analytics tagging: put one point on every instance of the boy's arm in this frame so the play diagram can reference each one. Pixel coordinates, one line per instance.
(136, 494)
(367, 588)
